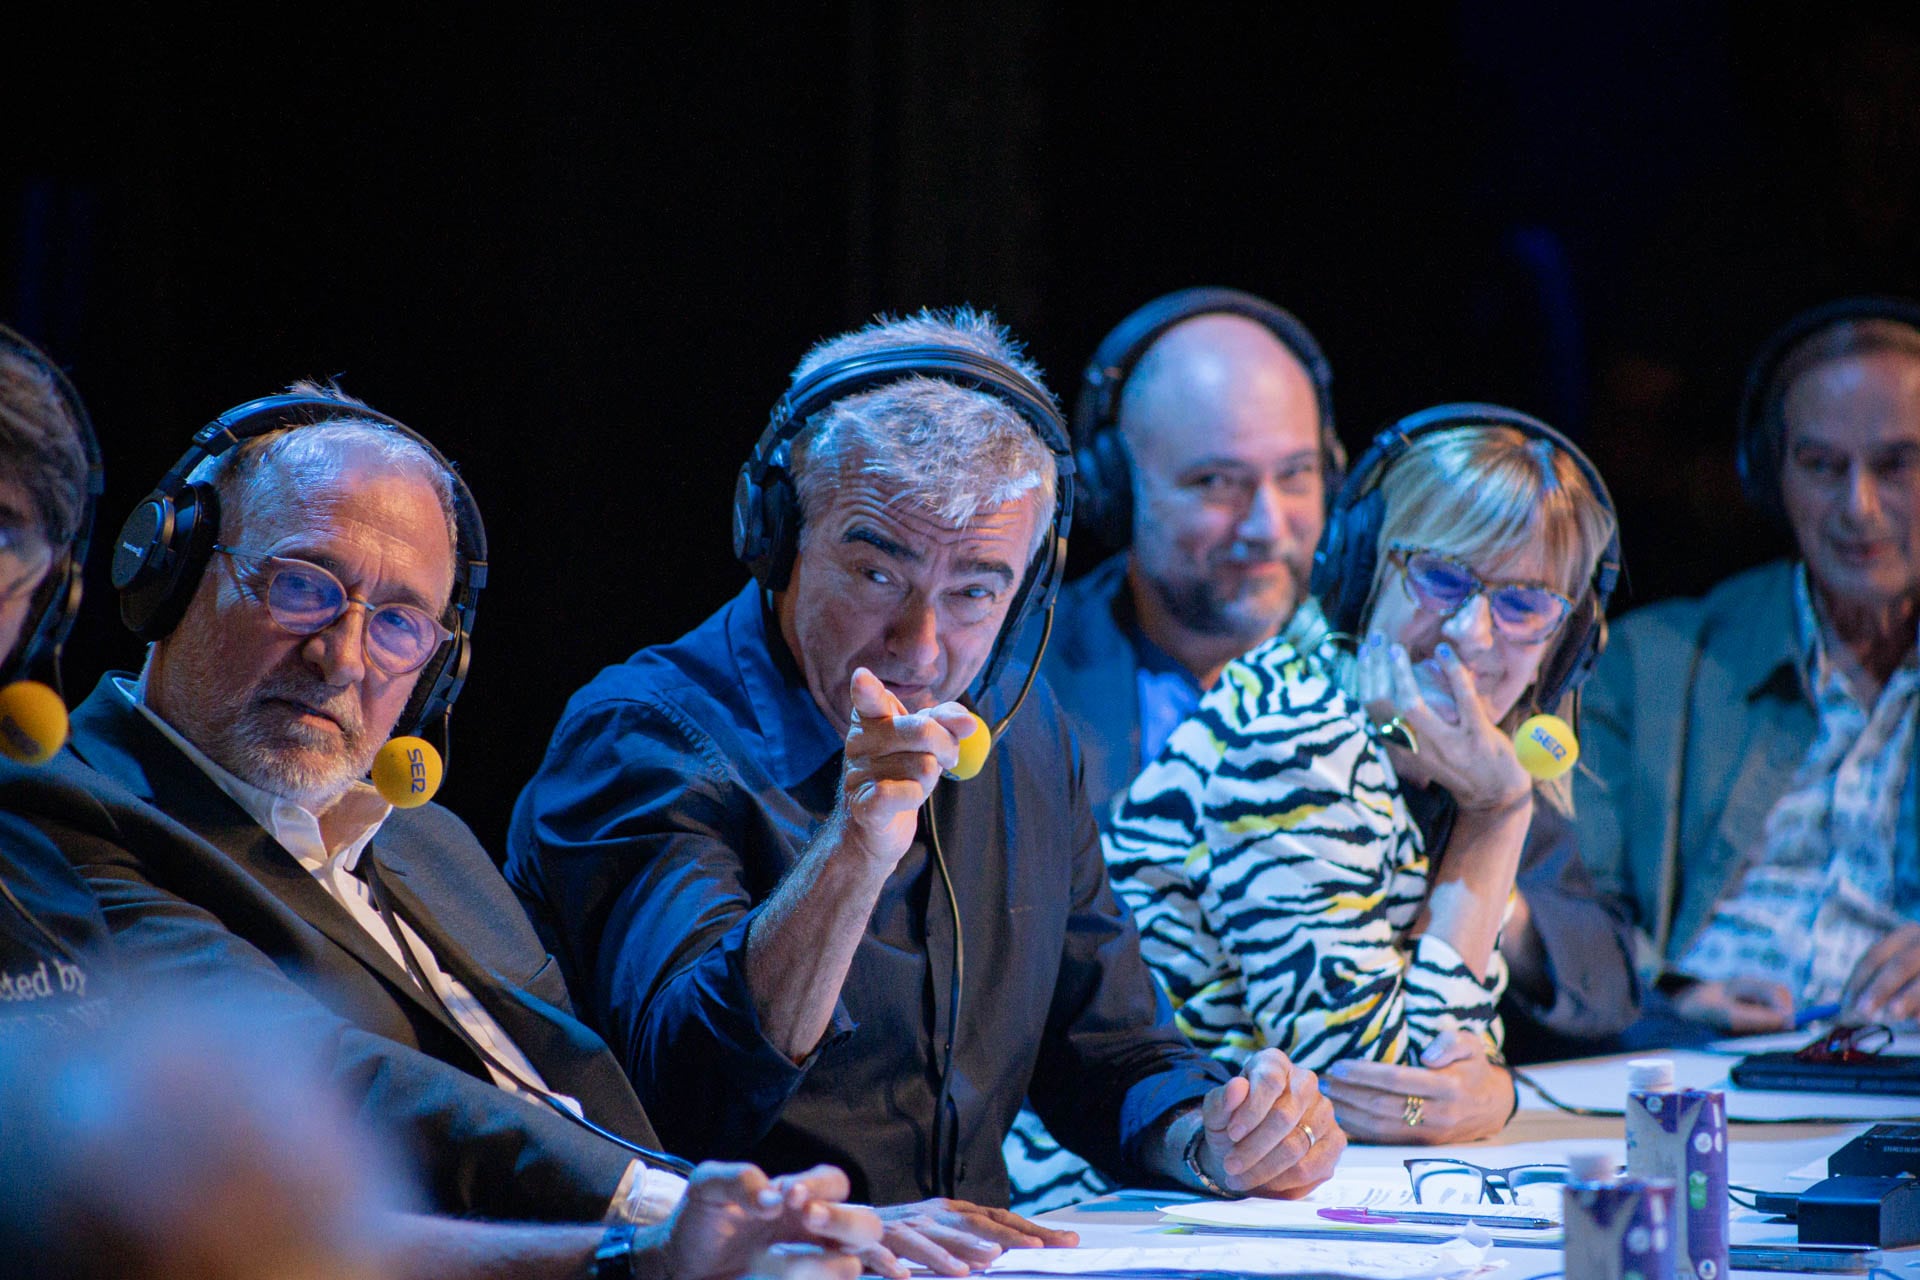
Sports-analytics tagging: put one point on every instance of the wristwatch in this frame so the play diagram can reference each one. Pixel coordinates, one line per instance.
(613, 1259)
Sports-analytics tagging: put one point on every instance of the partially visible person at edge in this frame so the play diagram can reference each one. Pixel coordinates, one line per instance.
(181, 1139)
(1304, 881)
(726, 840)
(56, 965)
(1749, 789)
(299, 714)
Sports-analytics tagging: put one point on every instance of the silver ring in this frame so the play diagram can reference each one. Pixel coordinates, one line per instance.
(1397, 732)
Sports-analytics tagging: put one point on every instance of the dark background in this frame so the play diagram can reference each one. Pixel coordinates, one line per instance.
(581, 249)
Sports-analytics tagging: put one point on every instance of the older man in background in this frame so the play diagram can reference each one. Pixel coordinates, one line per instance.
(1749, 780)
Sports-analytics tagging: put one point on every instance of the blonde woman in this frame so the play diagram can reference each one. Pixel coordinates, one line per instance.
(1324, 857)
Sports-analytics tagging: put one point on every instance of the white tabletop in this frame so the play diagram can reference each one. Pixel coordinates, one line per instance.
(1761, 1155)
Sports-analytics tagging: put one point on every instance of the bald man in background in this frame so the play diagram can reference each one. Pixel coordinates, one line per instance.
(1221, 422)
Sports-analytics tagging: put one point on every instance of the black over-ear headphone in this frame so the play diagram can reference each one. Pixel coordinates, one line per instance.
(164, 546)
(56, 603)
(1105, 475)
(1759, 452)
(766, 506)
(1345, 560)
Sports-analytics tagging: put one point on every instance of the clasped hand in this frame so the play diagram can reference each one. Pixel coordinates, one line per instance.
(1463, 1095)
(1459, 746)
(1269, 1131)
(894, 758)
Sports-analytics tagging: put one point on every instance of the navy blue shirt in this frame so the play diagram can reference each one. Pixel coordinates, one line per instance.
(682, 785)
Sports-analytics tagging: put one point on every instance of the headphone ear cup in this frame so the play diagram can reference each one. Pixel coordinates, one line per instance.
(439, 684)
(1103, 489)
(766, 525)
(1755, 457)
(56, 603)
(780, 527)
(1343, 579)
(160, 556)
(1571, 661)
(749, 540)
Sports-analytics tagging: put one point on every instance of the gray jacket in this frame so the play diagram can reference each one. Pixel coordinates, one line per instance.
(1693, 726)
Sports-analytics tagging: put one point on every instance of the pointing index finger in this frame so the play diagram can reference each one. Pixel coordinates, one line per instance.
(872, 700)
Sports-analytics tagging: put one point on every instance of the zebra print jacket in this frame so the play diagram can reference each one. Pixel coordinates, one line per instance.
(1275, 871)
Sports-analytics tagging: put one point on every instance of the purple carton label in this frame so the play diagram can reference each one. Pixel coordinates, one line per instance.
(1682, 1137)
(1620, 1230)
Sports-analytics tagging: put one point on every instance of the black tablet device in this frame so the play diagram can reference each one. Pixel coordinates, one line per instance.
(1883, 1073)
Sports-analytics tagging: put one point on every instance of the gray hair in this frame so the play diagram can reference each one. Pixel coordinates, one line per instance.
(242, 475)
(951, 451)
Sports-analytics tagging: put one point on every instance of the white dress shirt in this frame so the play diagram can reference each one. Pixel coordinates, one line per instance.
(645, 1194)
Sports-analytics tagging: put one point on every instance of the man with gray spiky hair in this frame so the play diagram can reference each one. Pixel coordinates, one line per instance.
(804, 944)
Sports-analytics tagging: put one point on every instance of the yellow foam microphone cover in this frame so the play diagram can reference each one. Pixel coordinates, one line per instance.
(33, 722)
(973, 751)
(1546, 747)
(407, 772)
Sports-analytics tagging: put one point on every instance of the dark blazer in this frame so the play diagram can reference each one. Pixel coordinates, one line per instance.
(198, 895)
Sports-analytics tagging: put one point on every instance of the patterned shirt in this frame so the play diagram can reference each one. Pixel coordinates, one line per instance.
(1836, 868)
(1275, 873)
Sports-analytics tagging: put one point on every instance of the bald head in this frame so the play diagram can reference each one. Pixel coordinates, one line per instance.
(1222, 425)
(1224, 370)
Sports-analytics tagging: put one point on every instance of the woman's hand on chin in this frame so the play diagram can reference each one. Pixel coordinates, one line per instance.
(1468, 754)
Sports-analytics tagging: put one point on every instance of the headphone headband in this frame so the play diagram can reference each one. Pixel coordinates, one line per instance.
(165, 544)
(1757, 452)
(1345, 561)
(1106, 473)
(56, 601)
(766, 507)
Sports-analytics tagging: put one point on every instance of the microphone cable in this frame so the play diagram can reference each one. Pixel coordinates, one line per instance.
(1026, 686)
(943, 1158)
(369, 870)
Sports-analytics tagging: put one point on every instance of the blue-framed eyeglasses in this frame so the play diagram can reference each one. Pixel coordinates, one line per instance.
(1525, 612)
(305, 599)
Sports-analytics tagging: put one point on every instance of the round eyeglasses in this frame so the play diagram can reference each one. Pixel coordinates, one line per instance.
(305, 599)
(1524, 612)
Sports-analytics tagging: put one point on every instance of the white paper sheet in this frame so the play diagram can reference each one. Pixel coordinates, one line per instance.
(1446, 1260)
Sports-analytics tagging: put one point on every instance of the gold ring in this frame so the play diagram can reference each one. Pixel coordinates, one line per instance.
(1308, 1130)
(1415, 1109)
